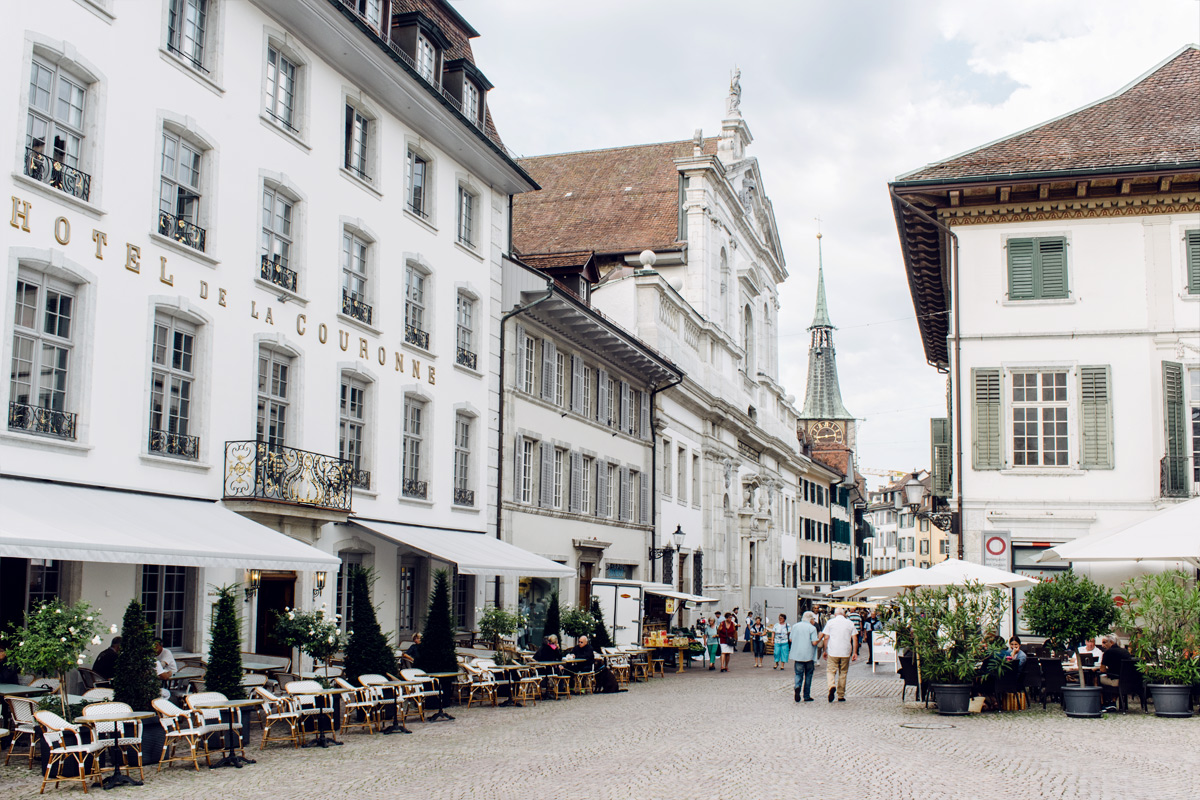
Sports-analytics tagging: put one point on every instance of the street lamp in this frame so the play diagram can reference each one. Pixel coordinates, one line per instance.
(914, 493)
(319, 586)
(667, 554)
(252, 583)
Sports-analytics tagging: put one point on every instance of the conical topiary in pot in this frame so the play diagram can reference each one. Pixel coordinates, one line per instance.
(367, 648)
(224, 673)
(437, 639)
(553, 625)
(135, 678)
(600, 637)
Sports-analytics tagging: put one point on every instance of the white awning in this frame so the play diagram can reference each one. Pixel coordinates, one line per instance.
(667, 592)
(473, 553)
(40, 519)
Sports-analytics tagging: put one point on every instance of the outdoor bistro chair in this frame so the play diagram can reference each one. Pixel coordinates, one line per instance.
(180, 726)
(383, 696)
(417, 694)
(908, 672)
(212, 716)
(253, 680)
(618, 662)
(306, 702)
(66, 745)
(122, 735)
(21, 711)
(1053, 679)
(359, 700)
(639, 665)
(1130, 681)
(274, 711)
(482, 683)
(91, 679)
(558, 681)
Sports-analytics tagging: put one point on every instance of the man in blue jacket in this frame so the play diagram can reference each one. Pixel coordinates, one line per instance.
(804, 655)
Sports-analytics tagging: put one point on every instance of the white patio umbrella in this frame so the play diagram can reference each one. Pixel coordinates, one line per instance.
(1172, 534)
(887, 585)
(953, 572)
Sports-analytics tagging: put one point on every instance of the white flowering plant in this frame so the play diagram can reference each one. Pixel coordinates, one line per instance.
(311, 632)
(54, 641)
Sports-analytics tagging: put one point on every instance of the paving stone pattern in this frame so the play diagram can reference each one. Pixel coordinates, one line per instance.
(709, 735)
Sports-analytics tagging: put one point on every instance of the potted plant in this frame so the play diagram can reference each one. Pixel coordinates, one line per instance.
(1068, 610)
(135, 679)
(945, 627)
(577, 622)
(311, 633)
(437, 638)
(553, 623)
(367, 647)
(600, 637)
(54, 640)
(224, 673)
(1163, 614)
(495, 623)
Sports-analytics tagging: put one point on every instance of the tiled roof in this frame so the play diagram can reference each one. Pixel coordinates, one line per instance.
(1154, 121)
(620, 200)
(558, 260)
(836, 460)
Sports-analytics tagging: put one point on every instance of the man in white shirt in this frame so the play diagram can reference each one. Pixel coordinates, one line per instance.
(164, 665)
(841, 648)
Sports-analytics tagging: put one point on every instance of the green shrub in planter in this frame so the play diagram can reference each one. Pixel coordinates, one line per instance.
(54, 640)
(437, 639)
(600, 637)
(1068, 610)
(224, 672)
(1163, 615)
(553, 618)
(945, 627)
(577, 622)
(495, 623)
(367, 648)
(135, 679)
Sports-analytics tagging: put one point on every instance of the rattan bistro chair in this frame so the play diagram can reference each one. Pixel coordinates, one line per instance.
(483, 683)
(123, 735)
(181, 726)
(305, 702)
(274, 711)
(66, 746)
(416, 695)
(21, 711)
(358, 700)
(212, 716)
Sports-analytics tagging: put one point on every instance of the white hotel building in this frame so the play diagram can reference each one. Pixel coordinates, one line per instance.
(251, 264)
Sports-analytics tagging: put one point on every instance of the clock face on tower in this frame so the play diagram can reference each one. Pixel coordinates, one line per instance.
(827, 433)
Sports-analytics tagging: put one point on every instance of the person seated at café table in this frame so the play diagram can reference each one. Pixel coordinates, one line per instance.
(549, 651)
(583, 650)
(164, 665)
(1087, 648)
(1015, 654)
(1110, 663)
(410, 656)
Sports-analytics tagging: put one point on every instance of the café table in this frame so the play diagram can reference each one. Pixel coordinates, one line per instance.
(231, 759)
(682, 652)
(550, 666)
(397, 725)
(21, 690)
(512, 672)
(446, 684)
(260, 666)
(326, 713)
(117, 778)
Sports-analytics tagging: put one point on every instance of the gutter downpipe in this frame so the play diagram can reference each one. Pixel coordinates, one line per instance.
(958, 452)
(500, 422)
(654, 475)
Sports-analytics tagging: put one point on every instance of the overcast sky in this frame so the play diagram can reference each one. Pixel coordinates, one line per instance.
(841, 96)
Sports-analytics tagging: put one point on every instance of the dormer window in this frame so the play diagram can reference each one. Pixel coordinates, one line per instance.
(470, 100)
(418, 37)
(466, 84)
(426, 58)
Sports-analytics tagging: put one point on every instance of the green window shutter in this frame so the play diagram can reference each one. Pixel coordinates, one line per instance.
(1020, 269)
(1193, 262)
(1095, 412)
(1051, 268)
(986, 428)
(1174, 472)
(939, 438)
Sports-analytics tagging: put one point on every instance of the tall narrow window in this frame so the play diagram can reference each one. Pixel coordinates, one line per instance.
(352, 425)
(164, 592)
(1194, 403)
(179, 191)
(43, 329)
(1039, 419)
(560, 379)
(681, 465)
(528, 447)
(354, 278)
(418, 175)
(171, 379)
(372, 12)
(560, 466)
(696, 480)
(587, 398)
(406, 585)
(281, 89)
(187, 21)
(357, 131)
(530, 357)
(667, 473)
(466, 217)
(464, 495)
(464, 332)
(274, 374)
(54, 129)
(426, 58)
(471, 101)
(277, 239)
(412, 465)
(589, 484)
(342, 596)
(416, 332)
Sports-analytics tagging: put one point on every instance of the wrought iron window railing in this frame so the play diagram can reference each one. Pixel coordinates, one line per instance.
(189, 59)
(415, 336)
(418, 209)
(1173, 476)
(181, 230)
(174, 444)
(466, 358)
(360, 173)
(360, 478)
(278, 274)
(35, 419)
(261, 471)
(51, 172)
(465, 240)
(411, 488)
(464, 497)
(283, 122)
(353, 307)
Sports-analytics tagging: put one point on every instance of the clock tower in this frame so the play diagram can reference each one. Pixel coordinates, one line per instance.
(824, 421)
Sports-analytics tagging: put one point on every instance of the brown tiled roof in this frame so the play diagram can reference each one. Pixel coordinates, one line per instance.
(621, 200)
(558, 260)
(836, 460)
(1154, 121)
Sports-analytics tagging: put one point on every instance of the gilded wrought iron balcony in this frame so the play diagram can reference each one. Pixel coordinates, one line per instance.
(42, 167)
(411, 488)
(464, 497)
(360, 478)
(466, 358)
(174, 444)
(277, 273)
(415, 336)
(353, 307)
(181, 230)
(260, 471)
(35, 419)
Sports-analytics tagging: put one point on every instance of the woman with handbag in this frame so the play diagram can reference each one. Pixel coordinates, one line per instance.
(758, 640)
(727, 634)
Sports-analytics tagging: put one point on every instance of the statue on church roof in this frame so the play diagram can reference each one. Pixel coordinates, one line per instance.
(733, 104)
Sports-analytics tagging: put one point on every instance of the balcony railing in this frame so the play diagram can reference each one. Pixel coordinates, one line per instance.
(464, 497)
(259, 471)
(360, 479)
(411, 488)
(415, 336)
(174, 444)
(42, 167)
(418, 209)
(186, 57)
(466, 358)
(278, 274)
(353, 307)
(181, 230)
(35, 419)
(1173, 476)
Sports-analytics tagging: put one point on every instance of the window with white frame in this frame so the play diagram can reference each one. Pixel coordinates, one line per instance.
(464, 494)
(528, 470)
(614, 404)
(464, 332)
(471, 101)
(44, 323)
(276, 253)
(164, 600)
(529, 355)
(560, 379)
(412, 466)
(419, 179)
(54, 128)
(667, 472)
(416, 326)
(187, 31)
(1039, 419)
(352, 429)
(696, 481)
(613, 473)
(426, 59)
(343, 597)
(586, 392)
(172, 376)
(274, 396)
(359, 130)
(467, 201)
(558, 496)
(371, 11)
(179, 199)
(355, 266)
(681, 467)
(282, 95)
(588, 479)
(633, 502)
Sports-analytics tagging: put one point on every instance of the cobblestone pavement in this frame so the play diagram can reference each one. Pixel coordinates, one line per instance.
(711, 735)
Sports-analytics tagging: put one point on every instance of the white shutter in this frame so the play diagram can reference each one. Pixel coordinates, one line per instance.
(576, 482)
(522, 343)
(645, 413)
(549, 351)
(602, 395)
(601, 488)
(644, 506)
(518, 467)
(577, 384)
(547, 487)
(623, 505)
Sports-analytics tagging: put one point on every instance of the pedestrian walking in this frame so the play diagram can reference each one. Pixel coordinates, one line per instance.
(871, 624)
(746, 633)
(783, 640)
(758, 640)
(727, 635)
(855, 616)
(841, 648)
(804, 655)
